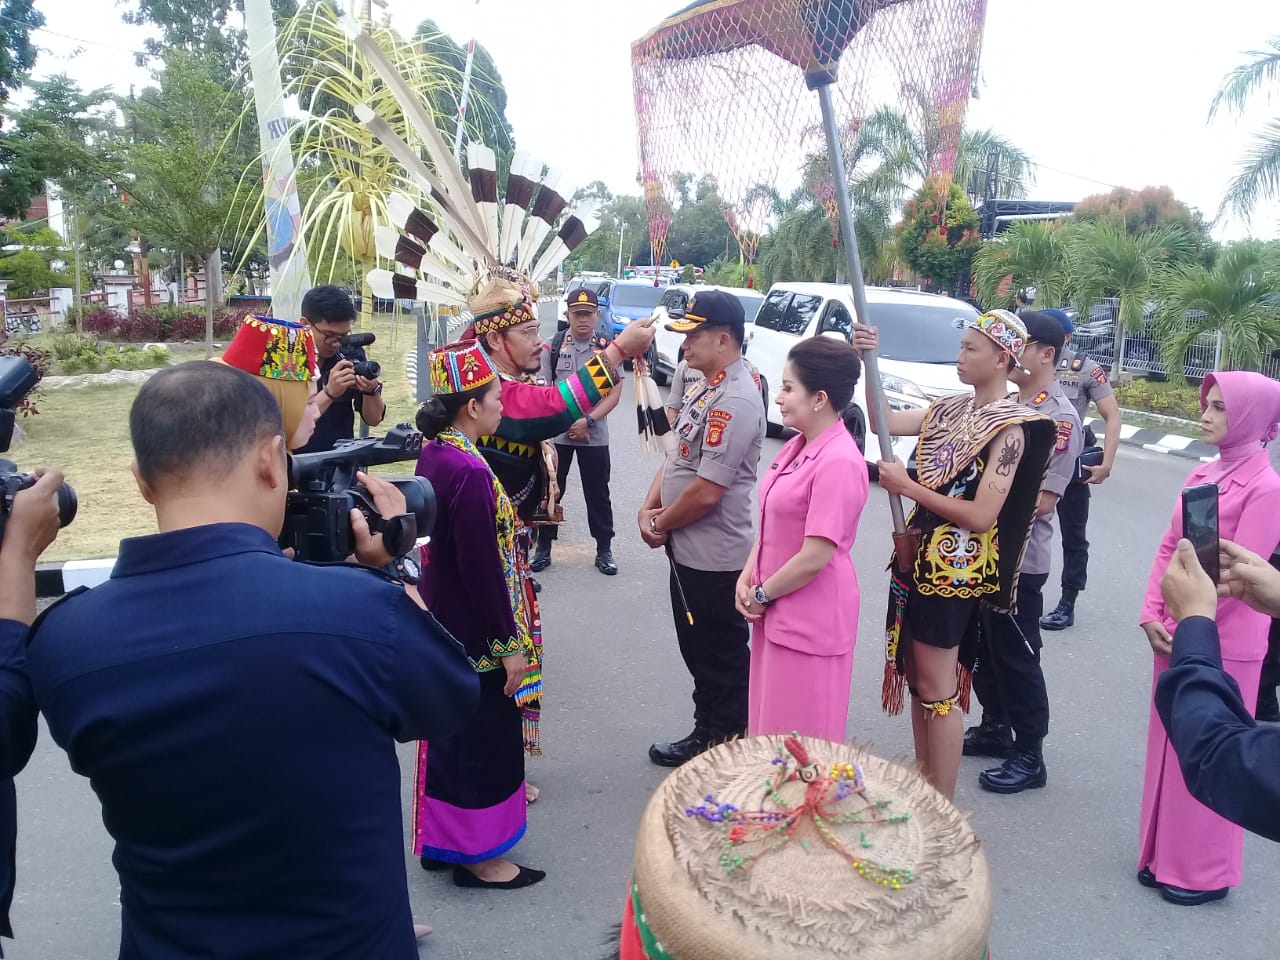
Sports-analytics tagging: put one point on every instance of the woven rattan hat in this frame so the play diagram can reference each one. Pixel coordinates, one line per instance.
(500, 301)
(800, 849)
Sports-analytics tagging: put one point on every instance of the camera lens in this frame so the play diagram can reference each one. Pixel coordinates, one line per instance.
(420, 500)
(369, 369)
(68, 504)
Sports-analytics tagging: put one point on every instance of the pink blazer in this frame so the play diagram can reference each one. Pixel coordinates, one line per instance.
(1249, 514)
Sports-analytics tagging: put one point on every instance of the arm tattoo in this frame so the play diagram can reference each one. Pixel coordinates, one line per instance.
(1008, 456)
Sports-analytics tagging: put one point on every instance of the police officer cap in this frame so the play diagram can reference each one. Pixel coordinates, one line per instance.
(710, 308)
(582, 299)
(1063, 318)
(1043, 328)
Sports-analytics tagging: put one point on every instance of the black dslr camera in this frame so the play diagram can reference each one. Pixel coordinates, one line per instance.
(323, 490)
(369, 369)
(17, 377)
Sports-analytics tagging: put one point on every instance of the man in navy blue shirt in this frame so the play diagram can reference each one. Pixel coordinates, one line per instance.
(1230, 764)
(237, 712)
(31, 526)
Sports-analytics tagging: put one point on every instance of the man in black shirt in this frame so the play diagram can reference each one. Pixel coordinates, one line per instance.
(331, 313)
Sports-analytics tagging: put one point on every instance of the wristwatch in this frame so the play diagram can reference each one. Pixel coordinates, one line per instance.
(405, 569)
(376, 391)
(591, 421)
(762, 598)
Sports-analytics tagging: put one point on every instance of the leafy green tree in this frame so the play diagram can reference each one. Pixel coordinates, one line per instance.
(1109, 261)
(1239, 297)
(31, 269)
(487, 100)
(1136, 211)
(203, 26)
(1258, 178)
(938, 241)
(17, 53)
(699, 231)
(1028, 254)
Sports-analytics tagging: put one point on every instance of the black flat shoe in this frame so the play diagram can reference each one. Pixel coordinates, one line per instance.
(434, 865)
(540, 560)
(527, 877)
(681, 751)
(1191, 898)
(1023, 771)
(537, 587)
(1147, 878)
(606, 564)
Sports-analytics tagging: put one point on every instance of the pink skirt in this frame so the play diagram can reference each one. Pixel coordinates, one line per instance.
(798, 692)
(1184, 843)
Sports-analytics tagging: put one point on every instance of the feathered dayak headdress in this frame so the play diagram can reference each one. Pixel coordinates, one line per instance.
(471, 251)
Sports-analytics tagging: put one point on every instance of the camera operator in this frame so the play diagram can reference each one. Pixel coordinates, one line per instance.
(331, 312)
(31, 526)
(1230, 764)
(237, 712)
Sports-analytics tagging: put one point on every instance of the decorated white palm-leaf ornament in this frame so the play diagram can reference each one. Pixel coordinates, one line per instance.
(463, 231)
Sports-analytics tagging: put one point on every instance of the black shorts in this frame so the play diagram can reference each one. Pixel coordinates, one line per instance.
(943, 622)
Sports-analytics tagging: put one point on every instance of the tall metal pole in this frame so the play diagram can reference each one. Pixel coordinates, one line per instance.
(465, 95)
(622, 232)
(875, 389)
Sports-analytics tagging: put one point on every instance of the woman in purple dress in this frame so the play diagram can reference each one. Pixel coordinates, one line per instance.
(470, 806)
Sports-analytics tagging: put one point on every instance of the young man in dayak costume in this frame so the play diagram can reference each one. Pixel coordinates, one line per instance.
(981, 458)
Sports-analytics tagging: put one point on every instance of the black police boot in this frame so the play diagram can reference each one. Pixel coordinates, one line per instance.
(1022, 771)
(681, 751)
(541, 558)
(604, 560)
(1063, 615)
(989, 739)
(1268, 706)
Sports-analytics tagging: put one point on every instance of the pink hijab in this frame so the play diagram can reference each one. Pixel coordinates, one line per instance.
(1253, 413)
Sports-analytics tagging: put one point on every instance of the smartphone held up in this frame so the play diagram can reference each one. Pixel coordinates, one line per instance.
(1200, 525)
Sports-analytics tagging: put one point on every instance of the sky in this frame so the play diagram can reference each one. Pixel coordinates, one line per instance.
(1100, 93)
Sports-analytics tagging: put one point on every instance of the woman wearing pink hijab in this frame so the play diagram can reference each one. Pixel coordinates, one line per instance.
(1190, 853)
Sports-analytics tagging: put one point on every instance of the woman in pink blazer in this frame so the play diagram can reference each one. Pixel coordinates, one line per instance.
(1190, 853)
(799, 588)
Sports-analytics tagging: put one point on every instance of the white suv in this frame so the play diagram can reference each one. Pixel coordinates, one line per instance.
(919, 342)
(672, 306)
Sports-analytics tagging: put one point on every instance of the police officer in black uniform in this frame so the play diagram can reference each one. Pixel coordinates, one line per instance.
(1083, 381)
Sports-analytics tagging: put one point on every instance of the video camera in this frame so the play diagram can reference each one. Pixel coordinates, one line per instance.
(369, 369)
(17, 378)
(324, 490)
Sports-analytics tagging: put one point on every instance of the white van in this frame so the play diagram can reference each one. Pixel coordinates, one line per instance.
(919, 342)
(672, 306)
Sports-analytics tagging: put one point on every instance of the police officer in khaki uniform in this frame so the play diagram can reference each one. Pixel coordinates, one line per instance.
(588, 438)
(699, 507)
(1082, 380)
(1009, 681)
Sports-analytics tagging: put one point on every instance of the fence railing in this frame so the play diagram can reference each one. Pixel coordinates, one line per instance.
(1142, 352)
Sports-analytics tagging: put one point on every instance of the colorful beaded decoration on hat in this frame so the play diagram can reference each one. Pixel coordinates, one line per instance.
(1004, 329)
(501, 300)
(459, 367)
(774, 825)
(273, 349)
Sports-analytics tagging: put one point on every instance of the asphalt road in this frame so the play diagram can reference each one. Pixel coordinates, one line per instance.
(1062, 858)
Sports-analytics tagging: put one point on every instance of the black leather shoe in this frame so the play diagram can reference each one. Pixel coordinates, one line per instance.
(681, 751)
(541, 559)
(1147, 878)
(537, 587)
(432, 865)
(1022, 771)
(1062, 616)
(989, 740)
(527, 877)
(606, 564)
(1191, 898)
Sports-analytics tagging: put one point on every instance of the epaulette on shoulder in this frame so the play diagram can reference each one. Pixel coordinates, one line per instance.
(599, 343)
(1077, 364)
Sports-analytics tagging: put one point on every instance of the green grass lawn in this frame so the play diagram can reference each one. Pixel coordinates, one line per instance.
(85, 432)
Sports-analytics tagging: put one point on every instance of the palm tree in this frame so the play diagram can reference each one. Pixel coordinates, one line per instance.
(1258, 178)
(902, 154)
(1107, 261)
(1239, 297)
(1028, 254)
